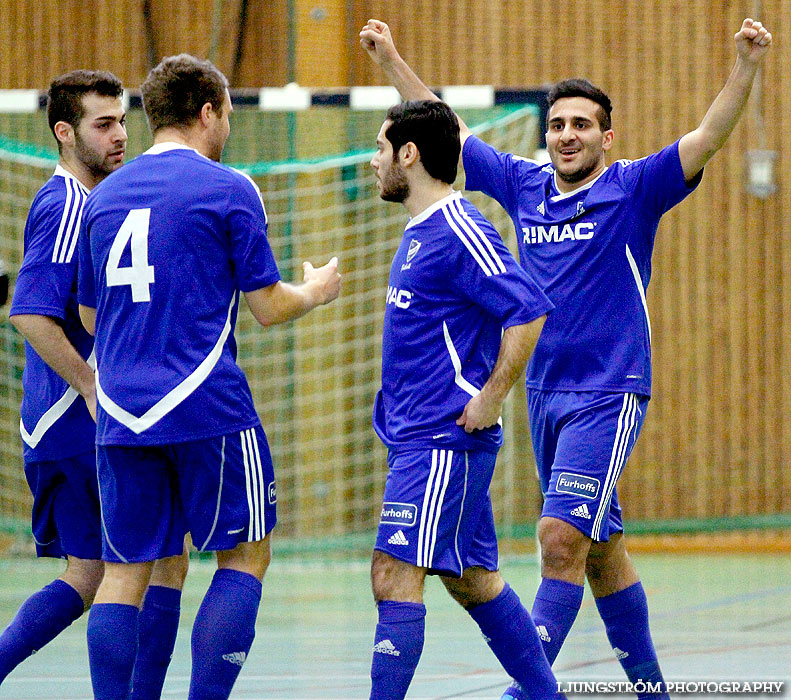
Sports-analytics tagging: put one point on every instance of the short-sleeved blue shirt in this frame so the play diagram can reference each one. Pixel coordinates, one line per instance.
(453, 287)
(590, 251)
(168, 242)
(55, 421)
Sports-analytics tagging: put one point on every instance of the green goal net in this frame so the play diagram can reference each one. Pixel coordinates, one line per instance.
(313, 380)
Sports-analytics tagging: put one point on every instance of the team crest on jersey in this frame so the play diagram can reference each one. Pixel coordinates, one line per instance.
(403, 514)
(578, 485)
(414, 246)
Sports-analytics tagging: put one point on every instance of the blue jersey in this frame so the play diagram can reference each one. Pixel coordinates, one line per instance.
(167, 244)
(453, 287)
(55, 420)
(590, 250)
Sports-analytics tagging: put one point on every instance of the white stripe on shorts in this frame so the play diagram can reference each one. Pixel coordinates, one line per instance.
(627, 421)
(432, 505)
(261, 486)
(219, 497)
(252, 500)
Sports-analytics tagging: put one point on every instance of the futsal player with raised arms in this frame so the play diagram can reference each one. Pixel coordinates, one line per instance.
(167, 246)
(586, 233)
(461, 319)
(87, 119)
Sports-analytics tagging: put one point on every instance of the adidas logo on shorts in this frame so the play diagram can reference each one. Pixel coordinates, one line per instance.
(237, 658)
(620, 654)
(386, 647)
(543, 634)
(398, 538)
(582, 512)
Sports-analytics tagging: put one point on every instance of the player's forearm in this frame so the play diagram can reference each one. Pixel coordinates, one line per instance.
(283, 302)
(405, 80)
(516, 347)
(52, 345)
(697, 147)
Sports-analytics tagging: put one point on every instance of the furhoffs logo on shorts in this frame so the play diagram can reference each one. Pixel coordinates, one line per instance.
(577, 484)
(403, 514)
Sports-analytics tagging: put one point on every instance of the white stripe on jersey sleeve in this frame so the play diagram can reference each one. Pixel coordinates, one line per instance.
(467, 243)
(175, 396)
(64, 220)
(75, 233)
(53, 413)
(477, 235)
(72, 216)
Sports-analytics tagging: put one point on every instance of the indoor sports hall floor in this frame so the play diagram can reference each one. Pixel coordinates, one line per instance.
(715, 617)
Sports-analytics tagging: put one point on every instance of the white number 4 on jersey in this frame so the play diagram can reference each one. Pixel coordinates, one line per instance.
(140, 275)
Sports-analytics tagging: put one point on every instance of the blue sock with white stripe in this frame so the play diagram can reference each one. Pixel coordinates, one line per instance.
(625, 616)
(554, 611)
(511, 635)
(223, 633)
(157, 626)
(41, 618)
(398, 644)
(112, 648)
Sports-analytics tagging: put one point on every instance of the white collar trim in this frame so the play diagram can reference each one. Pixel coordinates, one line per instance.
(428, 211)
(566, 195)
(166, 146)
(60, 171)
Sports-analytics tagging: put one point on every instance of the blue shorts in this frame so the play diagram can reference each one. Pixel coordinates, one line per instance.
(66, 519)
(221, 490)
(437, 513)
(582, 441)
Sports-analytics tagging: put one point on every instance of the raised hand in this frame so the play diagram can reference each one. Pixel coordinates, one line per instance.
(752, 40)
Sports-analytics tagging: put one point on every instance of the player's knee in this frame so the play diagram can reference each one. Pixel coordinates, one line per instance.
(172, 571)
(84, 576)
(250, 557)
(476, 587)
(393, 579)
(564, 549)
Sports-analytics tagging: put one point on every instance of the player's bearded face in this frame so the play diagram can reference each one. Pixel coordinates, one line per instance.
(393, 182)
(100, 137)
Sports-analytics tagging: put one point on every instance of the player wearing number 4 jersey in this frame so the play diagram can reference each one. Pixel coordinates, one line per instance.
(447, 365)
(167, 246)
(586, 233)
(58, 431)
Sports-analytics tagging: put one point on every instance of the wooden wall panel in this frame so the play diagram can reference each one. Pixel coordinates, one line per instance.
(716, 440)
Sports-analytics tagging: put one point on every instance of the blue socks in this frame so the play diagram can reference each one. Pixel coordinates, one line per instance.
(508, 629)
(223, 633)
(554, 611)
(398, 644)
(112, 648)
(157, 628)
(625, 616)
(40, 619)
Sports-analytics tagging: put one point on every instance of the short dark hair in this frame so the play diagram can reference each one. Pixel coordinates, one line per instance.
(434, 128)
(581, 87)
(64, 97)
(176, 90)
